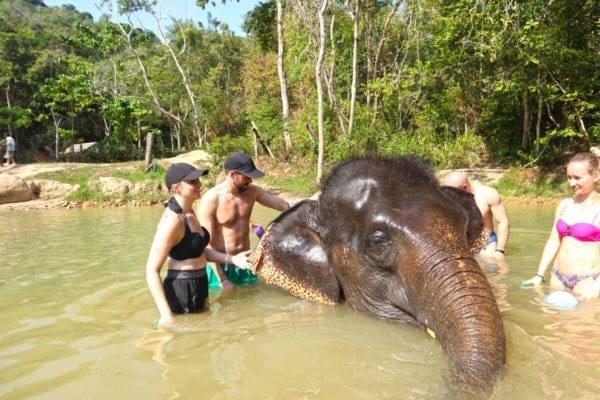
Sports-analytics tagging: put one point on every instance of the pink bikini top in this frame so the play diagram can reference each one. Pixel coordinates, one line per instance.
(582, 231)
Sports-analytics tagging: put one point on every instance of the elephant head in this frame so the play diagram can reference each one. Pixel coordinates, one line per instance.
(388, 240)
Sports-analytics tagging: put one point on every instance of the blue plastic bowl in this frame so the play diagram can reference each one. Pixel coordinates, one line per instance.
(561, 300)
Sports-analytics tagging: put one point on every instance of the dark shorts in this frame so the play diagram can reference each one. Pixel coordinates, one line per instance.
(186, 291)
(235, 275)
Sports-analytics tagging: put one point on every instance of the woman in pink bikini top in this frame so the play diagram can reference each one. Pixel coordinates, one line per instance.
(582, 231)
(574, 245)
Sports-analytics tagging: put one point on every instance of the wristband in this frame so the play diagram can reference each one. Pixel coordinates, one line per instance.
(541, 276)
(500, 251)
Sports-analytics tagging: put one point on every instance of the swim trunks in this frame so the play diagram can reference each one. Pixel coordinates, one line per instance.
(236, 275)
(570, 280)
(186, 291)
(493, 237)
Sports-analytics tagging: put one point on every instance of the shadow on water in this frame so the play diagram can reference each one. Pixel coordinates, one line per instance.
(77, 320)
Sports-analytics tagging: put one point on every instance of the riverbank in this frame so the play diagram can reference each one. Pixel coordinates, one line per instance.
(83, 185)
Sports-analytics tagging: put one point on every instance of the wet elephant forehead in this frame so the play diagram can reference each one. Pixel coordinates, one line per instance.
(294, 244)
(359, 192)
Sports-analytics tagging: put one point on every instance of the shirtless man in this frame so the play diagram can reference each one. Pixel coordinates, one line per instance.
(225, 212)
(492, 209)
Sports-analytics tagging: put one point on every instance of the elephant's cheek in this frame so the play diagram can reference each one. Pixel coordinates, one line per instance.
(345, 261)
(350, 271)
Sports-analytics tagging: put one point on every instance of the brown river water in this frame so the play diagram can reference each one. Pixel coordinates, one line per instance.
(77, 322)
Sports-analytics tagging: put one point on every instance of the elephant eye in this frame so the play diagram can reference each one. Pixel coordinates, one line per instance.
(378, 244)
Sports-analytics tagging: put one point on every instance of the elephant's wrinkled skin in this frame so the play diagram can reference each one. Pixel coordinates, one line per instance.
(387, 239)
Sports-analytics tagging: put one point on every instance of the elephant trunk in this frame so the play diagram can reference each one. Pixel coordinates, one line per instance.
(466, 319)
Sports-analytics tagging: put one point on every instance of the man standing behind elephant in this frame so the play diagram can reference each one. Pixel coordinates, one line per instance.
(492, 209)
(225, 212)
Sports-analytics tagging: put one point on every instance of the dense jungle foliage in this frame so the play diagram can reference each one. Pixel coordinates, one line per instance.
(460, 82)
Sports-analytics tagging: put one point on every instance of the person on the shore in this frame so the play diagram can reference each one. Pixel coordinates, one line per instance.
(183, 241)
(574, 243)
(225, 211)
(10, 144)
(492, 209)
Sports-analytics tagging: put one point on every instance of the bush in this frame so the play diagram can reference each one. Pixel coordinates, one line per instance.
(225, 145)
(523, 182)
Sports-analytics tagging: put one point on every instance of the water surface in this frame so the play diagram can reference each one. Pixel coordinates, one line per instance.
(77, 322)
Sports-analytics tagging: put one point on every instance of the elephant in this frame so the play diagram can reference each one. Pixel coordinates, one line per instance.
(388, 240)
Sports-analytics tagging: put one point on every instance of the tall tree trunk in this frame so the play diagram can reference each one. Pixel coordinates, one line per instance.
(355, 30)
(56, 121)
(148, 152)
(328, 76)
(367, 10)
(285, 106)
(106, 126)
(580, 121)
(138, 128)
(384, 37)
(538, 123)
(319, 78)
(526, 120)
(7, 93)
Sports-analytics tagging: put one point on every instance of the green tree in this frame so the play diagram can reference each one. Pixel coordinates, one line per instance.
(66, 96)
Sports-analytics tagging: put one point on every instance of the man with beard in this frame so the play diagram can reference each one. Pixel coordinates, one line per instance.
(225, 212)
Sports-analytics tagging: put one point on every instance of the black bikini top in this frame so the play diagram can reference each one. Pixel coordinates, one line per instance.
(192, 244)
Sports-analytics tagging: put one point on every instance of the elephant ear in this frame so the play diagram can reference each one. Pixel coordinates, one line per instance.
(291, 255)
(476, 236)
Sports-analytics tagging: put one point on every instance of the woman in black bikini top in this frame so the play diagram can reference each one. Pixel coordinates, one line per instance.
(192, 244)
(181, 241)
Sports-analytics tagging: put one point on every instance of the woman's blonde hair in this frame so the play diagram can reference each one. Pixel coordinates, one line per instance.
(590, 157)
